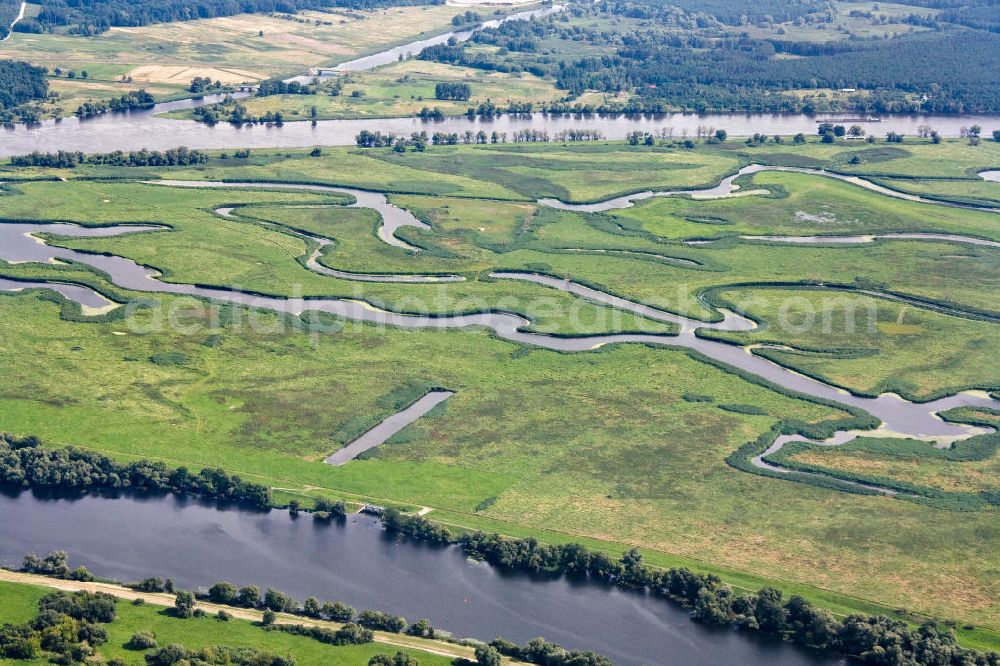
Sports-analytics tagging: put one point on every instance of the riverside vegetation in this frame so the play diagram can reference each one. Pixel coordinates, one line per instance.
(482, 461)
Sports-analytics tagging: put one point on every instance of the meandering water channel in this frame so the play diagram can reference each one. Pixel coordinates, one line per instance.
(898, 416)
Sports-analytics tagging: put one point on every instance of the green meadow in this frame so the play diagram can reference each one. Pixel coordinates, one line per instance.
(619, 446)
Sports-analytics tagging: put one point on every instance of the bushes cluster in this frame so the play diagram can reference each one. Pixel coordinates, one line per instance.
(398, 659)
(135, 99)
(63, 159)
(349, 634)
(379, 621)
(540, 651)
(216, 655)
(141, 640)
(452, 91)
(231, 111)
(67, 627)
(26, 463)
(55, 564)
(201, 84)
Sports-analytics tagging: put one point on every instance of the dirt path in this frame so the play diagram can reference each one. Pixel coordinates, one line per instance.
(162, 599)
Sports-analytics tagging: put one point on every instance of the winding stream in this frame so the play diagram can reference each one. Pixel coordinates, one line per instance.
(907, 419)
(728, 188)
(898, 416)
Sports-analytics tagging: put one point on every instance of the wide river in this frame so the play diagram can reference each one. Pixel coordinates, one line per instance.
(143, 129)
(197, 542)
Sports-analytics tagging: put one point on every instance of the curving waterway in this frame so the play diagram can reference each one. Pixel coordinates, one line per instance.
(19, 242)
(728, 188)
(193, 541)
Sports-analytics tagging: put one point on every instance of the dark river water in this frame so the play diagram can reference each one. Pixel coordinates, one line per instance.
(197, 542)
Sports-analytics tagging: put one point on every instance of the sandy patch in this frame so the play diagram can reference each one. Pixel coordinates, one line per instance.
(184, 74)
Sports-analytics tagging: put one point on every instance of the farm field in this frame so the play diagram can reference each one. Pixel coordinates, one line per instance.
(622, 445)
(164, 58)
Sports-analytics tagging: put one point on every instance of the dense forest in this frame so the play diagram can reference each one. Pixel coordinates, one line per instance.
(95, 16)
(20, 83)
(28, 464)
(730, 12)
(980, 14)
(8, 12)
(695, 61)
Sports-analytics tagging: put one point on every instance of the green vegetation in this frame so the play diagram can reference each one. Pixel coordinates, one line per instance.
(21, 603)
(726, 57)
(637, 436)
(868, 345)
(401, 89)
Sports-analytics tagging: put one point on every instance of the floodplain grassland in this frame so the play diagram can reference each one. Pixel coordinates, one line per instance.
(401, 89)
(204, 248)
(21, 604)
(868, 345)
(603, 425)
(948, 170)
(910, 462)
(635, 437)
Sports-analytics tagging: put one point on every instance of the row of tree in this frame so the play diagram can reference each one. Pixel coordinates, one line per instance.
(90, 17)
(28, 464)
(278, 87)
(367, 139)
(135, 99)
(181, 156)
(871, 639)
(358, 627)
(215, 655)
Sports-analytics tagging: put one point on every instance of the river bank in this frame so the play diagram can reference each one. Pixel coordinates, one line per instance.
(165, 600)
(355, 561)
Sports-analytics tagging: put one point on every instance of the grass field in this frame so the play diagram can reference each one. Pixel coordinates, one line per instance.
(20, 604)
(402, 89)
(613, 449)
(870, 345)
